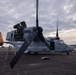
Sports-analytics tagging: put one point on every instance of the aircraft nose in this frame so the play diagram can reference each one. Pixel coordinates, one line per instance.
(72, 49)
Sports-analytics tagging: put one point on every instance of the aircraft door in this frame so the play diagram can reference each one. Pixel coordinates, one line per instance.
(52, 45)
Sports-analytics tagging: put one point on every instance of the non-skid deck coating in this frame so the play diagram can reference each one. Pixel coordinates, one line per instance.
(57, 64)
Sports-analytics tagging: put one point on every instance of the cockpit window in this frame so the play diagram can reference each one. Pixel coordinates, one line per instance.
(61, 41)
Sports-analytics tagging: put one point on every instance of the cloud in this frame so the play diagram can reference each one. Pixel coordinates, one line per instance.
(15, 11)
(67, 35)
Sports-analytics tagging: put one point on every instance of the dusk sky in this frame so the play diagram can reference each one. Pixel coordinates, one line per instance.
(15, 11)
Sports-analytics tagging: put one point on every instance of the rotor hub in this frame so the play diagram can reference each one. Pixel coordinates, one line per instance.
(40, 30)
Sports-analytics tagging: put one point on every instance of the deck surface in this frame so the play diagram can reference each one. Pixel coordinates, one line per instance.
(57, 64)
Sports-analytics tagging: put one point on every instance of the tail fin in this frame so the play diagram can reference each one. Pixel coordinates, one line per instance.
(1, 39)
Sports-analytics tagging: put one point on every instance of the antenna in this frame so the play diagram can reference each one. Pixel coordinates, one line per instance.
(37, 21)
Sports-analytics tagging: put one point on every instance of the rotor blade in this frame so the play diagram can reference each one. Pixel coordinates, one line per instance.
(57, 30)
(26, 43)
(37, 21)
(41, 37)
(23, 24)
(57, 34)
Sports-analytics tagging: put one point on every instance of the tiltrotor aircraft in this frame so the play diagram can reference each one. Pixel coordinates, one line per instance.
(31, 39)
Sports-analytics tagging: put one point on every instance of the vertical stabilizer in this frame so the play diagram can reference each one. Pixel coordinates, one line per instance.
(1, 39)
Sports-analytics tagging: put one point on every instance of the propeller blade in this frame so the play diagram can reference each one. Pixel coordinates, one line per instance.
(37, 21)
(57, 30)
(57, 34)
(41, 37)
(23, 24)
(26, 43)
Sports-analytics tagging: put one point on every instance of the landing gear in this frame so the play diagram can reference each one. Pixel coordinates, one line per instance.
(67, 53)
(29, 52)
(36, 53)
(32, 53)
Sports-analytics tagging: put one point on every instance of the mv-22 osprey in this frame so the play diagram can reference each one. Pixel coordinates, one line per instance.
(31, 39)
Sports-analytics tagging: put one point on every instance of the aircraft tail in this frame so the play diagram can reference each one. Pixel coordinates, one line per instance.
(1, 39)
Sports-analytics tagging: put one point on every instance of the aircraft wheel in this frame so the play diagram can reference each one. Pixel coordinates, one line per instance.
(67, 52)
(36, 53)
(29, 52)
